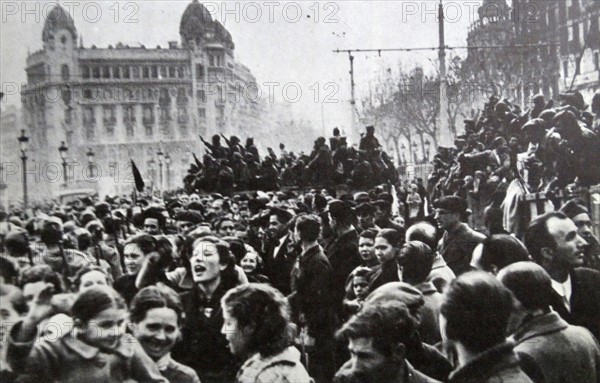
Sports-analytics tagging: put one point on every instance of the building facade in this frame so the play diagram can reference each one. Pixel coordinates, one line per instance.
(126, 102)
(10, 155)
(509, 54)
(557, 47)
(575, 26)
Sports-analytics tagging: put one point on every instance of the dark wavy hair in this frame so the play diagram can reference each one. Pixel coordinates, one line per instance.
(266, 310)
(392, 236)
(76, 280)
(93, 301)
(309, 227)
(228, 276)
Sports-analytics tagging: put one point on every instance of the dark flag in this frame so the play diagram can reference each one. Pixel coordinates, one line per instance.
(137, 177)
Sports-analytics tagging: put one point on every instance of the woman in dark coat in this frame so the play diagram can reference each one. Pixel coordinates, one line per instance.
(203, 347)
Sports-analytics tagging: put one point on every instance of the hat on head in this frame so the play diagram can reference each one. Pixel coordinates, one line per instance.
(452, 204)
(574, 99)
(398, 292)
(385, 196)
(538, 98)
(17, 239)
(535, 125)
(53, 220)
(191, 216)
(361, 197)
(572, 209)
(365, 208)
(101, 209)
(94, 225)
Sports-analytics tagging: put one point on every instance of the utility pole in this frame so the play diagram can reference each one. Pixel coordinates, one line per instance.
(444, 137)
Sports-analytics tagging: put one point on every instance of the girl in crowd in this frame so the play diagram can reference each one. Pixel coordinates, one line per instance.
(95, 350)
(156, 312)
(257, 328)
(360, 288)
(141, 252)
(90, 276)
(203, 347)
(387, 247)
(252, 265)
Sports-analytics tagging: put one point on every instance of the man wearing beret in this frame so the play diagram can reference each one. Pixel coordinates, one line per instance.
(459, 240)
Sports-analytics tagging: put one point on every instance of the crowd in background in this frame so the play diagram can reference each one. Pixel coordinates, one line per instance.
(235, 167)
(381, 284)
(545, 148)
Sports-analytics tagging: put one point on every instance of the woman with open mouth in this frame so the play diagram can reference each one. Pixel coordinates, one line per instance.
(203, 347)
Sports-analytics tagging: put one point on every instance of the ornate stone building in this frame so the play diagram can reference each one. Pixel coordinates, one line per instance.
(560, 34)
(125, 102)
(496, 62)
(575, 26)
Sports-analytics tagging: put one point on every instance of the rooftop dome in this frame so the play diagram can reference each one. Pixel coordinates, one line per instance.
(223, 34)
(56, 20)
(195, 20)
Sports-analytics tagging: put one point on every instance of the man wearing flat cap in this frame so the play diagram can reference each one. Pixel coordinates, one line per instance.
(459, 240)
(580, 215)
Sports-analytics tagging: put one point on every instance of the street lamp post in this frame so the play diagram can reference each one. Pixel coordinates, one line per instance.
(160, 155)
(403, 149)
(63, 149)
(152, 163)
(168, 162)
(90, 156)
(414, 145)
(23, 141)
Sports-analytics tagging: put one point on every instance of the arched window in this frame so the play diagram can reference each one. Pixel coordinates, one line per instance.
(64, 72)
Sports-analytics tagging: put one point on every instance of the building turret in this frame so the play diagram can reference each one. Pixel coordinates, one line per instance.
(195, 23)
(59, 30)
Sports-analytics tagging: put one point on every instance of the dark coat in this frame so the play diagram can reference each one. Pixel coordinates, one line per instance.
(278, 266)
(552, 351)
(202, 346)
(585, 301)
(457, 247)
(430, 313)
(69, 359)
(427, 359)
(343, 256)
(388, 272)
(498, 364)
(311, 292)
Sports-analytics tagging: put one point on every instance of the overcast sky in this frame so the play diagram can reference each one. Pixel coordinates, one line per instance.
(282, 42)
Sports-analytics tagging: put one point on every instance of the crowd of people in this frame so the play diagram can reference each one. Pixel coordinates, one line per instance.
(276, 287)
(380, 284)
(235, 167)
(545, 148)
